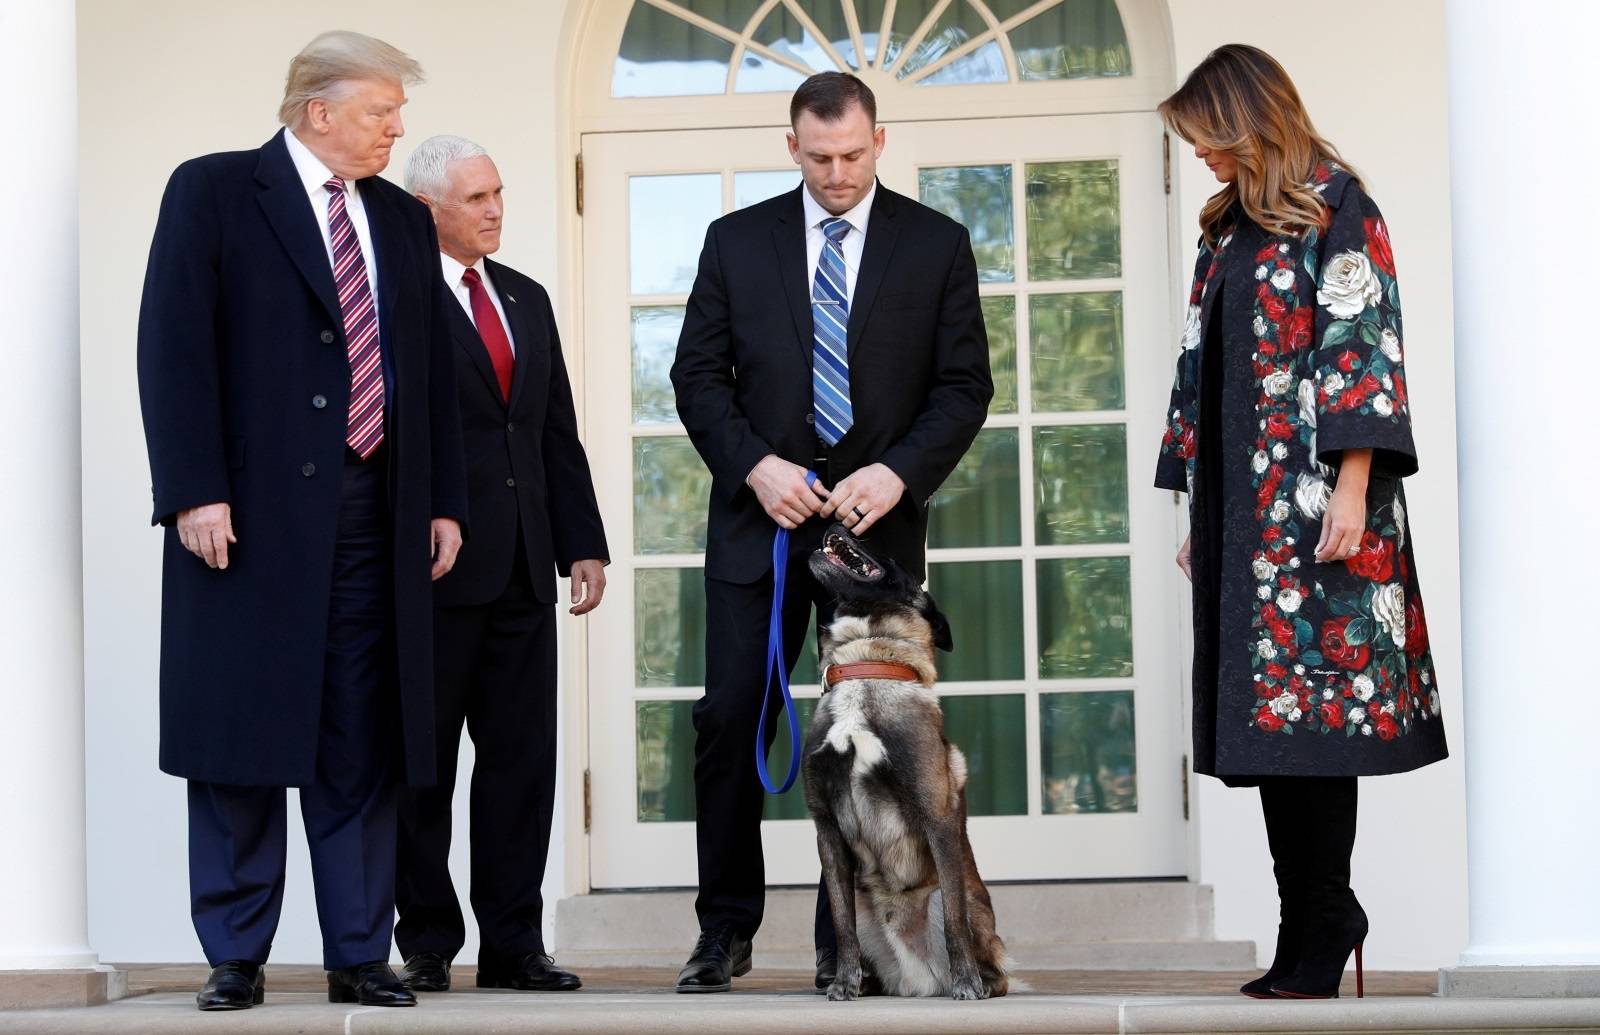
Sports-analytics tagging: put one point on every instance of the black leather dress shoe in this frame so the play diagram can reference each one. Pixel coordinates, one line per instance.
(233, 985)
(535, 972)
(827, 967)
(427, 972)
(719, 957)
(370, 984)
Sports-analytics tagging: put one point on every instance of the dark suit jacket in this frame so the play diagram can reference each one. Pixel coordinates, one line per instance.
(919, 368)
(244, 383)
(526, 470)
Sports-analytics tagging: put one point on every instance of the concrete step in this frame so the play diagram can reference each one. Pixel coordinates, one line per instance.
(1155, 925)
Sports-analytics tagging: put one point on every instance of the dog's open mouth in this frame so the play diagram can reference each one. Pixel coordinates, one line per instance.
(842, 553)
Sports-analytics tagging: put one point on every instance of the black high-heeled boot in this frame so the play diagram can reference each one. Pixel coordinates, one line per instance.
(1335, 925)
(1277, 809)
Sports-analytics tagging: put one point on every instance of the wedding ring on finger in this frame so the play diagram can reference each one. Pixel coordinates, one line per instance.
(858, 512)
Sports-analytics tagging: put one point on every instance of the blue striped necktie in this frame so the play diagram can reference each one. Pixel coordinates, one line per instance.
(830, 316)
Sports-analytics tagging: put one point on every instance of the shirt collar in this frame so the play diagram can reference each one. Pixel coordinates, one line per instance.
(313, 174)
(453, 270)
(856, 217)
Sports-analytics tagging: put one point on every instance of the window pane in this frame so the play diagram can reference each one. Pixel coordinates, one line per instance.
(791, 804)
(663, 753)
(670, 490)
(655, 342)
(958, 25)
(1085, 618)
(979, 198)
(1080, 484)
(987, 64)
(1076, 353)
(1074, 220)
(991, 731)
(1000, 319)
(978, 504)
(1087, 754)
(662, 55)
(667, 220)
(783, 34)
(751, 187)
(829, 18)
(1078, 40)
(669, 627)
(983, 602)
(870, 14)
(760, 74)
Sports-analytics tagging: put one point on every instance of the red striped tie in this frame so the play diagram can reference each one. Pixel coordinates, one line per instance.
(364, 425)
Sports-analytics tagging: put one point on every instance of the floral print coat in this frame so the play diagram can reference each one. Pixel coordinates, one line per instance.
(1292, 353)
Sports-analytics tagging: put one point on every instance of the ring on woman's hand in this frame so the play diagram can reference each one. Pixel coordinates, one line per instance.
(1352, 551)
(857, 511)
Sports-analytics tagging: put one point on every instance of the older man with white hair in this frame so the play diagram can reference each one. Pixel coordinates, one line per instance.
(494, 625)
(298, 389)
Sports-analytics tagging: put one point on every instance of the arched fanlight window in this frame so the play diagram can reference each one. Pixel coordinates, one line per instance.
(675, 48)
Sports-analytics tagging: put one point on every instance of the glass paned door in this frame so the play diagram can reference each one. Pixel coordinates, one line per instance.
(1063, 689)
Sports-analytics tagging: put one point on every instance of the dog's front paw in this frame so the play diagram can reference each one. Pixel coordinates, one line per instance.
(846, 985)
(966, 989)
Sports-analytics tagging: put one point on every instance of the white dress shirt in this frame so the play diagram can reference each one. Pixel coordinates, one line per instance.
(853, 244)
(453, 272)
(314, 175)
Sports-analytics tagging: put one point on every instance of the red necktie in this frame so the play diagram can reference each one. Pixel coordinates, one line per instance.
(491, 330)
(364, 420)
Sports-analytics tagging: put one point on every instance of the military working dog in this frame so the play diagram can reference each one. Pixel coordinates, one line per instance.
(888, 792)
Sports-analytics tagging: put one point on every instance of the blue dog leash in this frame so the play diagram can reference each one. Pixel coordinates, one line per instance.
(775, 662)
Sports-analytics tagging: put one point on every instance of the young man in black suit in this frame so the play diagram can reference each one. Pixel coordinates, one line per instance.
(835, 328)
(534, 515)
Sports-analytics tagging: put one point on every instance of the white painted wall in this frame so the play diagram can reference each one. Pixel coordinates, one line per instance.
(164, 80)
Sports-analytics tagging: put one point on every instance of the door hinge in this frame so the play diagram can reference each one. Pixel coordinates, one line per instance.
(588, 802)
(1166, 165)
(579, 172)
(1183, 774)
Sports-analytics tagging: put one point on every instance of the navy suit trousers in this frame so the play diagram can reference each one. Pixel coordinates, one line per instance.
(237, 834)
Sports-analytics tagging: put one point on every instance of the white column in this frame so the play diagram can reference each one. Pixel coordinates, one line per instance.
(1525, 218)
(43, 877)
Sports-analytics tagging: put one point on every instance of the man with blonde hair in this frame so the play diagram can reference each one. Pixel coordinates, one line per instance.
(296, 380)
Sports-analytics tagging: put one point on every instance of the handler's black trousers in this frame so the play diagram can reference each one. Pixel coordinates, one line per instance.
(495, 671)
(728, 794)
(237, 834)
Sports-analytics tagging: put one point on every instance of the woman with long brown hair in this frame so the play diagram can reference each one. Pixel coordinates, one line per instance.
(1290, 429)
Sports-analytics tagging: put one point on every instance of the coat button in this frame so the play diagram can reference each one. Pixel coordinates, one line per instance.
(811, 418)
(319, 402)
(511, 483)
(308, 469)
(327, 337)
(511, 428)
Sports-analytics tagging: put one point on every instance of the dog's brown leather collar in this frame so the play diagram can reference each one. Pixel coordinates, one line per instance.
(833, 675)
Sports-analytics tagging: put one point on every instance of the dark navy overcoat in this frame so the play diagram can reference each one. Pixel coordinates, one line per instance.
(243, 383)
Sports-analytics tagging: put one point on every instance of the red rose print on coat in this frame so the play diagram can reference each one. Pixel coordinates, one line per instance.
(1378, 246)
(1296, 329)
(1268, 722)
(1385, 726)
(1339, 651)
(1375, 560)
(1332, 713)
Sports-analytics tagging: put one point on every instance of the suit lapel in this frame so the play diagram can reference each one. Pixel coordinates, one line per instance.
(789, 237)
(288, 209)
(881, 235)
(387, 250)
(468, 341)
(521, 330)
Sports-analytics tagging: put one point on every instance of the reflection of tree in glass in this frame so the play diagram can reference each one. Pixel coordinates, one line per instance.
(1000, 318)
(978, 504)
(664, 761)
(1076, 352)
(979, 198)
(990, 731)
(1074, 228)
(1085, 625)
(670, 489)
(1089, 758)
(1080, 39)
(983, 601)
(1081, 484)
(655, 343)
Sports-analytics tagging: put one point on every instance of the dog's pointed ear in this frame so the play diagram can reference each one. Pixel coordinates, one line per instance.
(938, 622)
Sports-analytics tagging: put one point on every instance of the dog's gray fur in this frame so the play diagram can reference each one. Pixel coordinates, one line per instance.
(887, 792)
